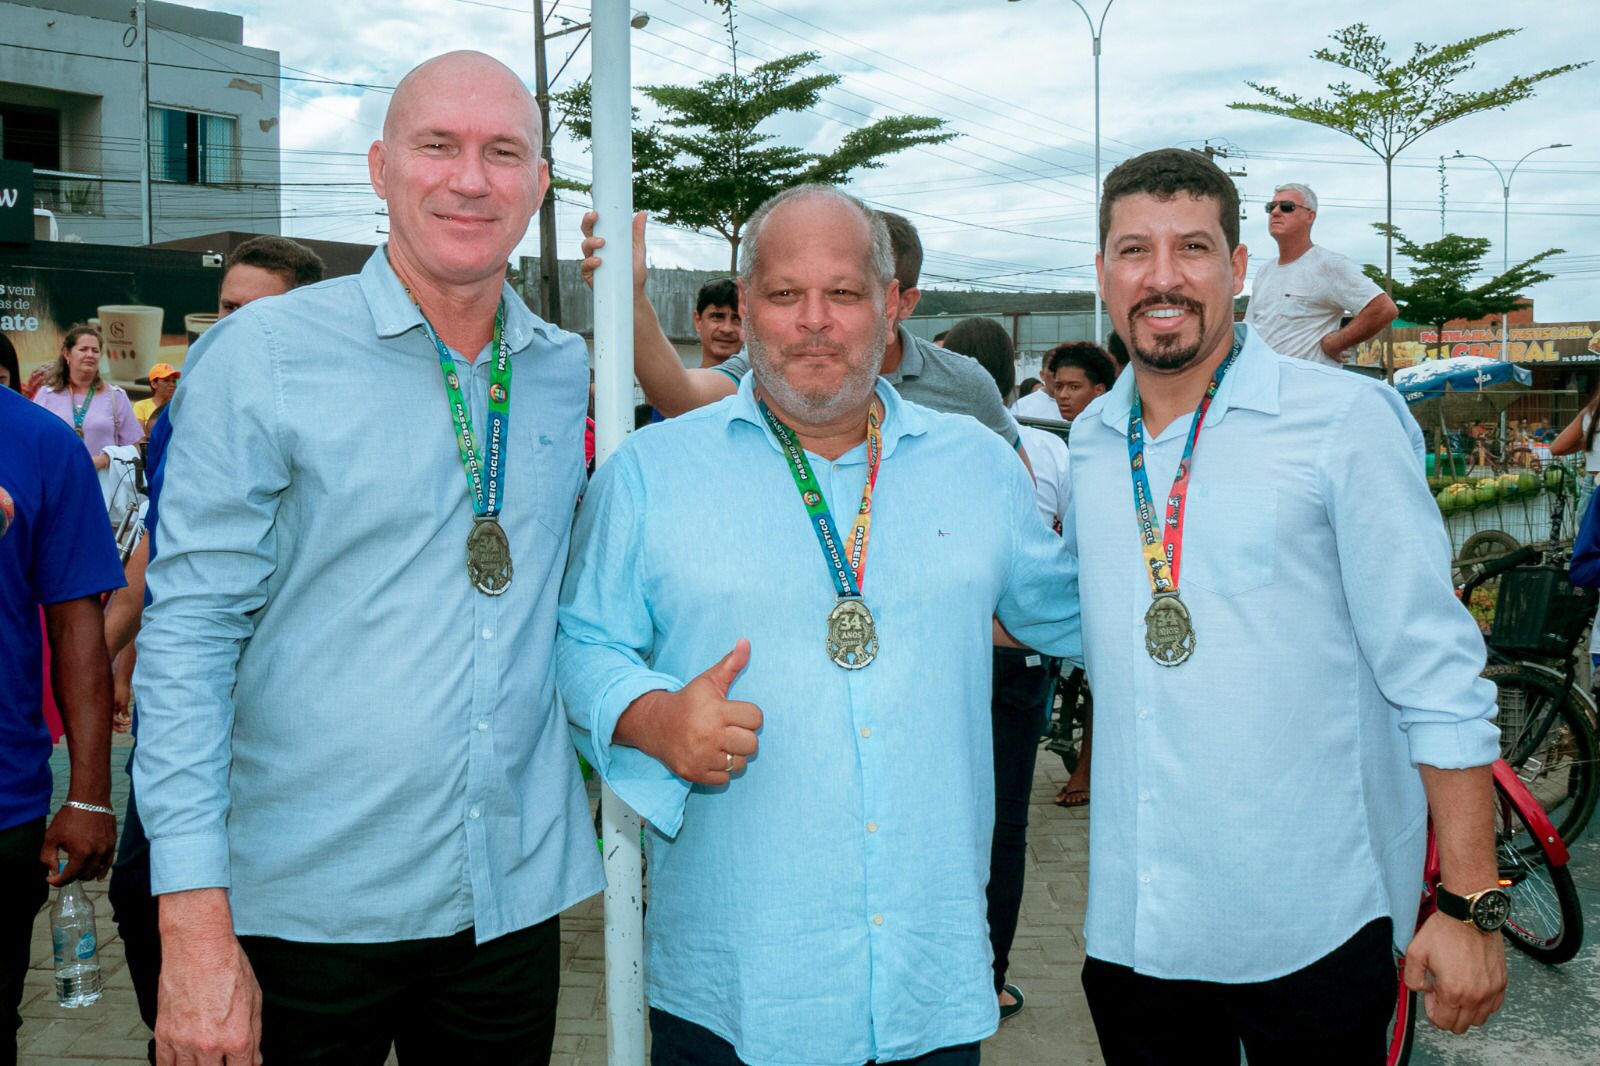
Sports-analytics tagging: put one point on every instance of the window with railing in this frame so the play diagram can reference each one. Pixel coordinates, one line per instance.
(192, 147)
(65, 193)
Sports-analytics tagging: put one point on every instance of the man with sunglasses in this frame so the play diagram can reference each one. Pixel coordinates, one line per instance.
(1300, 298)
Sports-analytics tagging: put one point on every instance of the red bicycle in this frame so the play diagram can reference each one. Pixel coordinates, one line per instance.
(1546, 920)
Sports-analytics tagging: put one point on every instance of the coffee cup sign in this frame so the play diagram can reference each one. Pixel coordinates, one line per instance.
(132, 334)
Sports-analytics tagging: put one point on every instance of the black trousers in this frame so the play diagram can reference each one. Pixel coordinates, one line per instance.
(1017, 714)
(1334, 1011)
(441, 1000)
(675, 1041)
(135, 913)
(22, 892)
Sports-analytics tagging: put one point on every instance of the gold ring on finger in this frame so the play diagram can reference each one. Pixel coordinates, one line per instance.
(728, 769)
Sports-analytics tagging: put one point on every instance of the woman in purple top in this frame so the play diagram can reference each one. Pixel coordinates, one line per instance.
(74, 391)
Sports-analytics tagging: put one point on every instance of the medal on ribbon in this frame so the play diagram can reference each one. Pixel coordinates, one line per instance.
(80, 413)
(1169, 636)
(488, 549)
(852, 633)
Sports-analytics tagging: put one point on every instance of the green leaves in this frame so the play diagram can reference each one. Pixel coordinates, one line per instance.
(707, 164)
(1441, 289)
(1404, 100)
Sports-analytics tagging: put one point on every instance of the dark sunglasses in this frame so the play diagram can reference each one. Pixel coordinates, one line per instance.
(1288, 207)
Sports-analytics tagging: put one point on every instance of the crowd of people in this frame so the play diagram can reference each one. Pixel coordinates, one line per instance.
(379, 602)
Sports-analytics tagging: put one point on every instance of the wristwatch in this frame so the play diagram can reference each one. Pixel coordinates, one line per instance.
(1485, 911)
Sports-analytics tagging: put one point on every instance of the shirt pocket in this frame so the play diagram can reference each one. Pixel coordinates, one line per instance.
(556, 476)
(1231, 534)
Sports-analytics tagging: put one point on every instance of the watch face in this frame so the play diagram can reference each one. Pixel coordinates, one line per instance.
(1491, 910)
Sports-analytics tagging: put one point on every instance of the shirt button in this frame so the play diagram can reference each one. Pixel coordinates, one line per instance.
(483, 726)
(1144, 879)
(488, 634)
(474, 812)
(1144, 712)
(872, 827)
(866, 731)
(877, 919)
(1144, 793)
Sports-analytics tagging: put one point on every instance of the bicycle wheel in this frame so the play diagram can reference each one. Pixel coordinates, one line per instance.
(1546, 920)
(1548, 740)
(1403, 1028)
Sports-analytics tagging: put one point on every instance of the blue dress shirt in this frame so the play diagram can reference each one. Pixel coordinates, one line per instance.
(333, 723)
(1258, 804)
(828, 905)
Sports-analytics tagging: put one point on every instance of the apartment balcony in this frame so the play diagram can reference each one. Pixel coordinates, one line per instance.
(65, 192)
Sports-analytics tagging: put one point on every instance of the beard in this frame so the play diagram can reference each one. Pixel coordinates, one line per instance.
(816, 406)
(1167, 353)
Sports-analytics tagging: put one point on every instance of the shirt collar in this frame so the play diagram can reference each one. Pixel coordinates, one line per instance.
(395, 313)
(912, 360)
(1252, 382)
(900, 419)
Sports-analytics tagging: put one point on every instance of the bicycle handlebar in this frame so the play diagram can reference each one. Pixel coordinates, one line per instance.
(1483, 571)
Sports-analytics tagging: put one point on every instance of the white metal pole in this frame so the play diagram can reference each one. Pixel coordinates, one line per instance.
(1505, 264)
(613, 417)
(1099, 238)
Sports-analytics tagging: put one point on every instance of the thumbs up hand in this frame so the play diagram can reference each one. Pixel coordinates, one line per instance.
(697, 732)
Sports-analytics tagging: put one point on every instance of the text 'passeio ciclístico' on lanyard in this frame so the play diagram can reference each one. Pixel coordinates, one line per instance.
(488, 550)
(1168, 627)
(852, 641)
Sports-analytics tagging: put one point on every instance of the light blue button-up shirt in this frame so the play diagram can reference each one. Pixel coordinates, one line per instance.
(334, 724)
(1256, 805)
(827, 906)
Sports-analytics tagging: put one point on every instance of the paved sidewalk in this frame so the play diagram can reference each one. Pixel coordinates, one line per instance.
(1053, 1028)
(1549, 1015)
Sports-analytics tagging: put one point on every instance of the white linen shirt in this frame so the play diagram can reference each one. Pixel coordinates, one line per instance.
(1257, 805)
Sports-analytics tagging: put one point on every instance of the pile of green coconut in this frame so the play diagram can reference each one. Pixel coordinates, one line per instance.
(1456, 495)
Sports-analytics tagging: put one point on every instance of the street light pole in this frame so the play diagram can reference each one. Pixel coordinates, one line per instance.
(549, 266)
(1505, 227)
(1097, 34)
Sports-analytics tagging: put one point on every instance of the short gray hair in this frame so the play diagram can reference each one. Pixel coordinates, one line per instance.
(880, 255)
(1308, 197)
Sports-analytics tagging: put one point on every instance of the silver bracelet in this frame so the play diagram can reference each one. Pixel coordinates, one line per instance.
(93, 808)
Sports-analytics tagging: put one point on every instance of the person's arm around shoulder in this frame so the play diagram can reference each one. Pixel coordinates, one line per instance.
(647, 733)
(218, 550)
(1038, 607)
(671, 387)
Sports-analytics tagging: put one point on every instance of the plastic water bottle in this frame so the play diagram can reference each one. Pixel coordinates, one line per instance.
(72, 934)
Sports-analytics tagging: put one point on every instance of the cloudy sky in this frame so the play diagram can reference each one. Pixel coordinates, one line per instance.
(1007, 204)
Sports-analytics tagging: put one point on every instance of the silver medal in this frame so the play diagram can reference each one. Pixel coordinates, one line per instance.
(488, 557)
(852, 635)
(1168, 630)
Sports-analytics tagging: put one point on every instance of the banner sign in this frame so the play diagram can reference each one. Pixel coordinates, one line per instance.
(1551, 342)
(16, 202)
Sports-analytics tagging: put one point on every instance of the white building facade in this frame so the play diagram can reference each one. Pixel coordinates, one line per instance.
(69, 105)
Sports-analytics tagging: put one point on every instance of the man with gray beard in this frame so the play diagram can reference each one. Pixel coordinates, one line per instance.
(800, 738)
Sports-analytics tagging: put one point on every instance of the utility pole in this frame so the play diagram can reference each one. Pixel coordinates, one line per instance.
(549, 265)
(1214, 153)
(142, 28)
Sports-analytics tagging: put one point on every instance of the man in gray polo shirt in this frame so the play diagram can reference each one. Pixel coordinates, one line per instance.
(919, 370)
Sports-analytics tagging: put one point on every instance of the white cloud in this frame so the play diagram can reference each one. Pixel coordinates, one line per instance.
(1016, 80)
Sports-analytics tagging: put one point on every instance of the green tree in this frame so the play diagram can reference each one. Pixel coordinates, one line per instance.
(1441, 286)
(707, 166)
(1404, 101)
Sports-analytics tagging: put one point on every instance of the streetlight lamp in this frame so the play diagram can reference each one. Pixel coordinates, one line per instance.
(1505, 226)
(549, 279)
(1097, 33)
